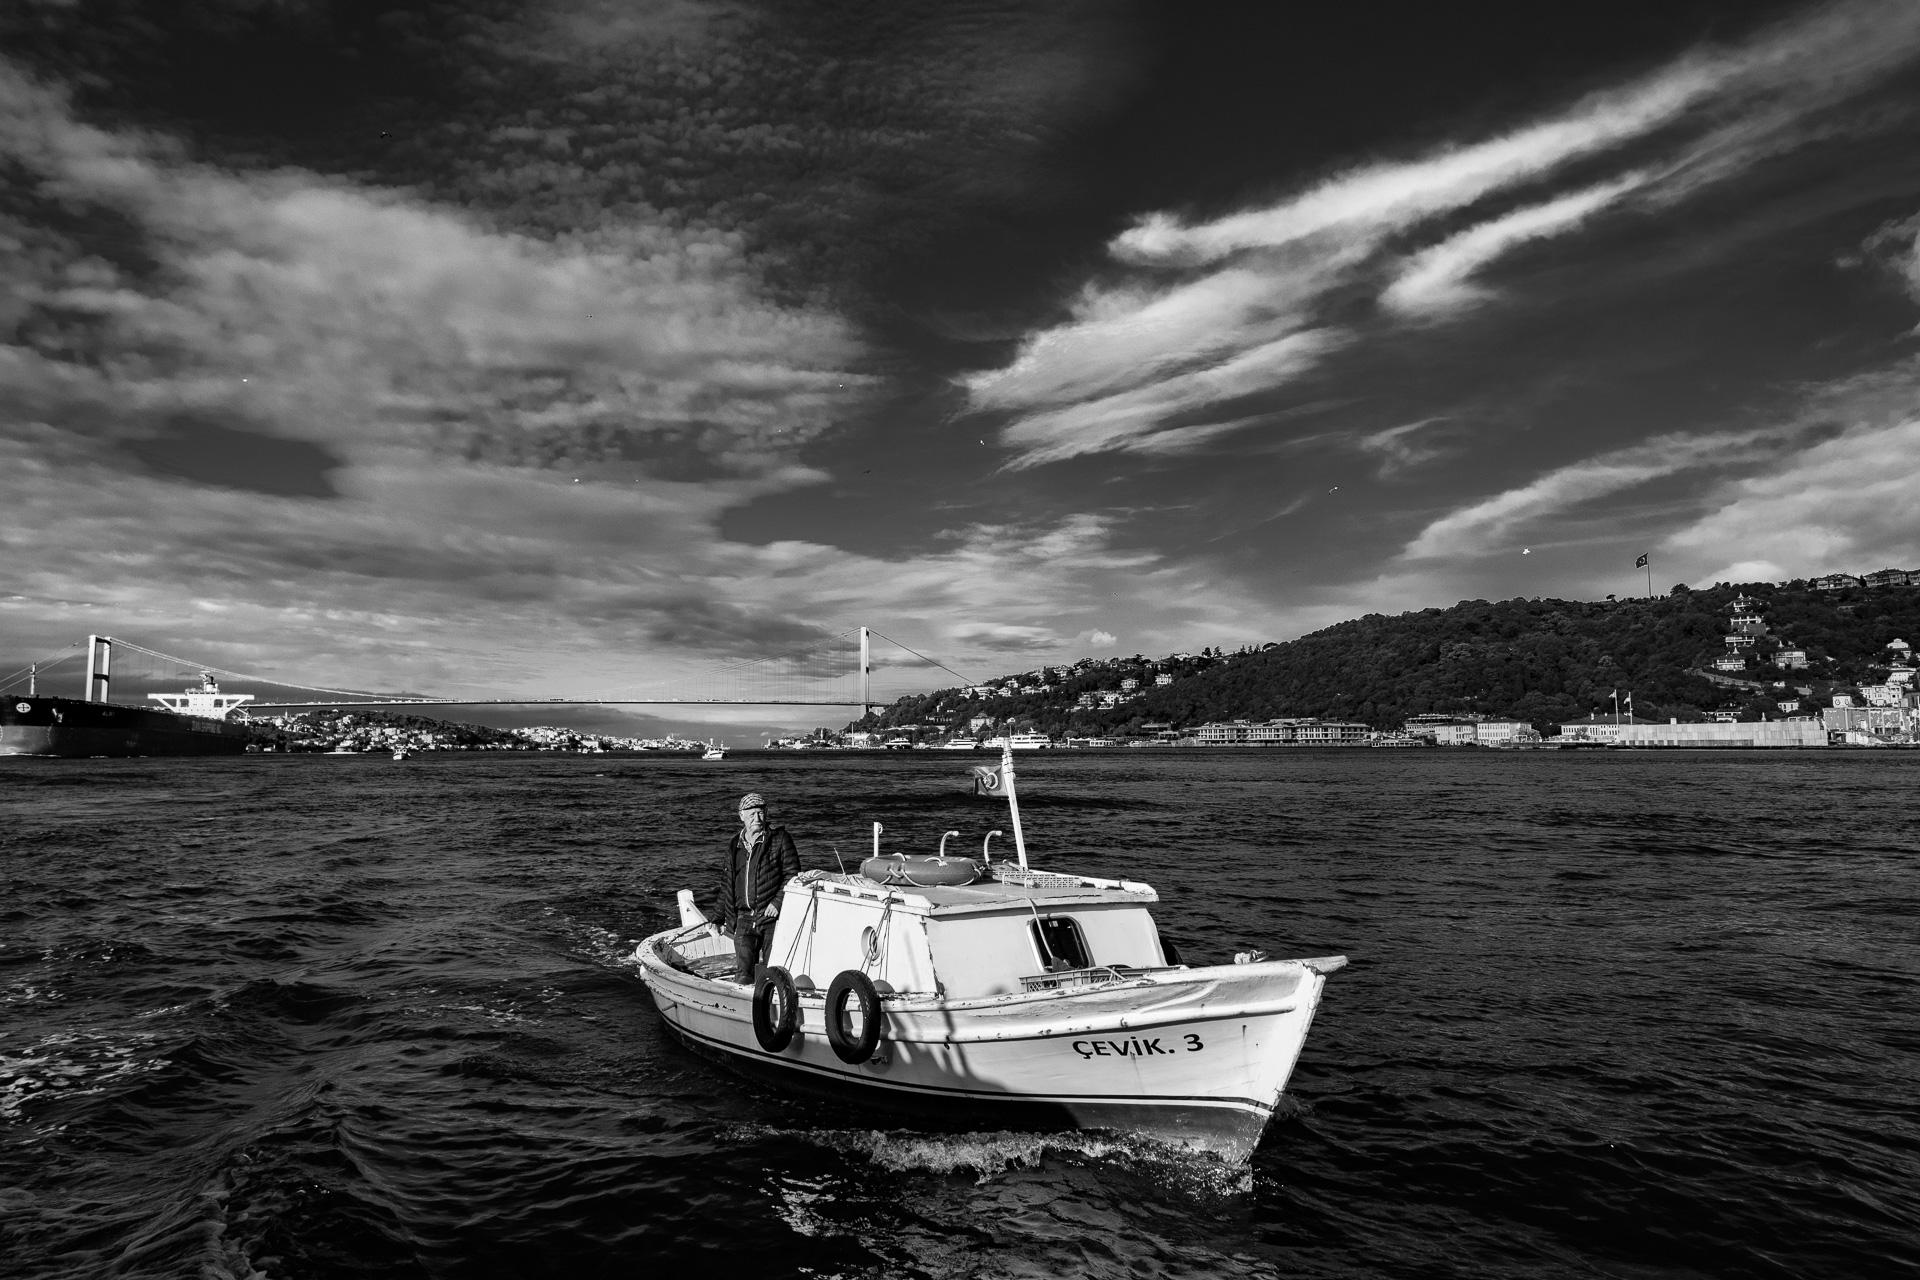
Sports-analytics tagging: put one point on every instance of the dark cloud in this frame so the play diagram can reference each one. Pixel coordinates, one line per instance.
(723, 629)
(206, 451)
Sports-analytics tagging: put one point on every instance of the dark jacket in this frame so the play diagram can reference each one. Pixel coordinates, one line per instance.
(776, 863)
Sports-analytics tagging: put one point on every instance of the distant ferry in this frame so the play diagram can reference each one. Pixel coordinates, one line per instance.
(960, 744)
(1029, 741)
(191, 723)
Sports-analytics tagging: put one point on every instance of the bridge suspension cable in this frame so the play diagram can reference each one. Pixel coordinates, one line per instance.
(40, 668)
(797, 677)
(935, 662)
(241, 675)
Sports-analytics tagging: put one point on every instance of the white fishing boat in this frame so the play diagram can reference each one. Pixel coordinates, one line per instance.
(714, 751)
(984, 991)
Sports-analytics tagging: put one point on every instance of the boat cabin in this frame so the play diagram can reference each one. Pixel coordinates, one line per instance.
(1017, 931)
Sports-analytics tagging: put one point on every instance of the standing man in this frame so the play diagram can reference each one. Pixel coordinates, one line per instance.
(760, 861)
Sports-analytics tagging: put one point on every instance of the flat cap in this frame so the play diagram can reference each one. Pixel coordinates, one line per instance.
(751, 800)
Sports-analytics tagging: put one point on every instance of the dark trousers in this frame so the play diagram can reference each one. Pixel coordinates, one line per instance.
(750, 950)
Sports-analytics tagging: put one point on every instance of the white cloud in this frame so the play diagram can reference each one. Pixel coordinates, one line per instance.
(1130, 350)
(353, 313)
(1850, 504)
(1896, 246)
(1133, 419)
(1483, 527)
(1370, 203)
(1407, 445)
(1438, 280)
(1121, 337)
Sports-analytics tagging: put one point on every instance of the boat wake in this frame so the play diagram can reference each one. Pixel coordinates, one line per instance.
(990, 1156)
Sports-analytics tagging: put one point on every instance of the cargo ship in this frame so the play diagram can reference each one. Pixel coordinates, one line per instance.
(193, 722)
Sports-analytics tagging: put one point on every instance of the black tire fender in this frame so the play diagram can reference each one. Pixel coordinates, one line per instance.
(774, 1030)
(853, 1036)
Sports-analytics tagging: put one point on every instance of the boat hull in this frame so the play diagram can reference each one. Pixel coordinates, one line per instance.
(48, 726)
(1196, 1057)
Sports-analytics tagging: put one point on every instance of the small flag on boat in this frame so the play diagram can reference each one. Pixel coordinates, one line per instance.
(1641, 563)
(987, 781)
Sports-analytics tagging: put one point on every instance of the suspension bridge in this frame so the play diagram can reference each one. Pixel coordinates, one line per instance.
(839, 671)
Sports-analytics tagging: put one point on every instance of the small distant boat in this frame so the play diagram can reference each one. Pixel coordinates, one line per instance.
(714, 751)
(401, 753)
(960, 744)
(974, 990)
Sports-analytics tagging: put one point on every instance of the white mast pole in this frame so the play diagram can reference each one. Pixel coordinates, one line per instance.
(1013, 802)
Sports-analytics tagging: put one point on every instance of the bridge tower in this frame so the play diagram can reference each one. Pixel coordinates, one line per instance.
(866, 671)
(99, 666)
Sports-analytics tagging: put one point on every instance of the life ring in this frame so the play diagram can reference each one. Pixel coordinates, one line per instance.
(775, 1009)
(924, 870)
(853, 1045)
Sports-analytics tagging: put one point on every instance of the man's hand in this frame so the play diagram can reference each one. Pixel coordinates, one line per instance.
(772, 911)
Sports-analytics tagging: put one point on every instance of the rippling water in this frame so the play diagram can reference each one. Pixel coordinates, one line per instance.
(1617, 1014)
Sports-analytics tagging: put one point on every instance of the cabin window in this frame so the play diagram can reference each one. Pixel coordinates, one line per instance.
(1060, 943)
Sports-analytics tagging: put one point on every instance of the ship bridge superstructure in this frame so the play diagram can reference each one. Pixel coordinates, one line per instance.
(206, 700)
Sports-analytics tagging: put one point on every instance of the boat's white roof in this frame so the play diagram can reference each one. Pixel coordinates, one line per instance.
(1038, 887)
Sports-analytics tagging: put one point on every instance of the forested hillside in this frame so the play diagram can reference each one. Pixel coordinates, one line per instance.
(1544, 661)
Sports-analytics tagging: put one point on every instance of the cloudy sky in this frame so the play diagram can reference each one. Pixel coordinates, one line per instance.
(589, 348)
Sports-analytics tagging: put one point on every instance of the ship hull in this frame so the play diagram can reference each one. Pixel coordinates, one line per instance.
(48, 726)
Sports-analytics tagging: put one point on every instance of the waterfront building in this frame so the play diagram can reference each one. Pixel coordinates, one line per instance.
(1283, 733)
(1798, 732)
(1482, 731)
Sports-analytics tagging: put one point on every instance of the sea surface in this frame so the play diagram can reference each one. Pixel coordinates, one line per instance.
(1618, 1014)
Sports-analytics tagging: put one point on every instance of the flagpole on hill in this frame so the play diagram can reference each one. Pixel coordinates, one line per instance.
(1646, 562)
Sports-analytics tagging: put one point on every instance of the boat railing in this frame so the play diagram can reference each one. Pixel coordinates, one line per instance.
(1007, 873)
(1066, 979)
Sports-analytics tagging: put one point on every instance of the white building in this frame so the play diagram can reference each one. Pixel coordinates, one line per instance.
(1765, 733)
(1283, 733)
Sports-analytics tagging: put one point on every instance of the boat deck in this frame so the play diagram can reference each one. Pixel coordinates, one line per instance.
(1009, 885)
